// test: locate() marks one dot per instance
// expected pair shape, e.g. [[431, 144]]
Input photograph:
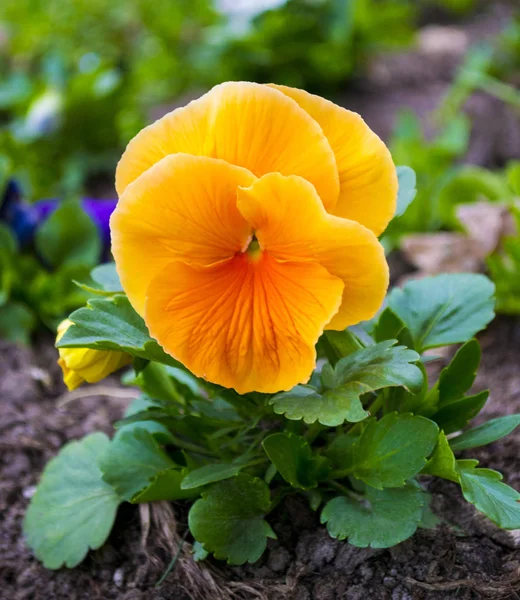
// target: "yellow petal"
[[291, 224], [71, 379], [368, 179], [247, 324], [246, 124], [182, 208]]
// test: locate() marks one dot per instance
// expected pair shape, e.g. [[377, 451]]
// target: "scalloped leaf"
[[139, 470], [393, 449], [444, 309], [229, 519], [366, 370], [112, 324], [73, 509], [381, 520], [293, 459]]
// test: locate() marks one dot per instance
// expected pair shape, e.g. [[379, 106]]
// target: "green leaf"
[[443, 462], [458, 414], [155, 381], [407, 189], [337, 344], [458, 377], [107, 278], [292, 457], [158, 430], [8, 250], [379, 366], [469, 184], [112, 324], [486, 433], [331, 408], [229, 519], [365, 370], [393, 449], [484, 489], [69, 237], [342, 451], [445, 309], [429, 519], [199, 553], [504, 267], [391, 327], [385, 518], [17, 322], [166, 485], [513, 176], [134, 463], [73, 509], [210, 474]]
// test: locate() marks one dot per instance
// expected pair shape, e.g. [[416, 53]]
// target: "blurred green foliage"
[[76, 79], [316, 45], [489, 67], [37, 286], [79, 78]]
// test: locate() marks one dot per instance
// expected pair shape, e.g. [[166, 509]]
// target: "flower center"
[[253, 250]]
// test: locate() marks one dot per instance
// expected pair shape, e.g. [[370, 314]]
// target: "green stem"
[[495, 87], [314, 431], [174, 560], [191, 447], [341, 473], [345, 490], [376, 405]]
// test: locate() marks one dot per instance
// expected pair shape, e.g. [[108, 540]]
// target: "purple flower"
[[98, 210], [24, 218], [17, 214]]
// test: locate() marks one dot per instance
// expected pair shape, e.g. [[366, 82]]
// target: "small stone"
[[118, 577], [366, 572], [356, 592], [278, 560], [133, 595], [29, 491]]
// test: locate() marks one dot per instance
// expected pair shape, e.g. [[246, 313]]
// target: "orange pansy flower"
[[247, 225]]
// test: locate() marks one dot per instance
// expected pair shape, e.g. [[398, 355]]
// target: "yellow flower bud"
[[81, 365]]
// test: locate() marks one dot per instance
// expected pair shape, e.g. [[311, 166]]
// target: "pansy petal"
[[247, 324], [291, 224], [245, 124], [368, 179], [182, 208]]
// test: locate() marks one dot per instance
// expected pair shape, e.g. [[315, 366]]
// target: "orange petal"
[[291, 224], [368, 179], [245, 124], [247, 324], [182, 208]]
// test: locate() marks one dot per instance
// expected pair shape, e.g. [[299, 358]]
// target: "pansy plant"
[[251, 302]]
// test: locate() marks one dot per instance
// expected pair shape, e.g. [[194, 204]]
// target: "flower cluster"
[[247, 224]]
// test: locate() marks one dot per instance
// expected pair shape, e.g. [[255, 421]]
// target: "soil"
[[465, 557]]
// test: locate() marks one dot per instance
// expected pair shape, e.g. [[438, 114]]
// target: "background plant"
[[78, 81]]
